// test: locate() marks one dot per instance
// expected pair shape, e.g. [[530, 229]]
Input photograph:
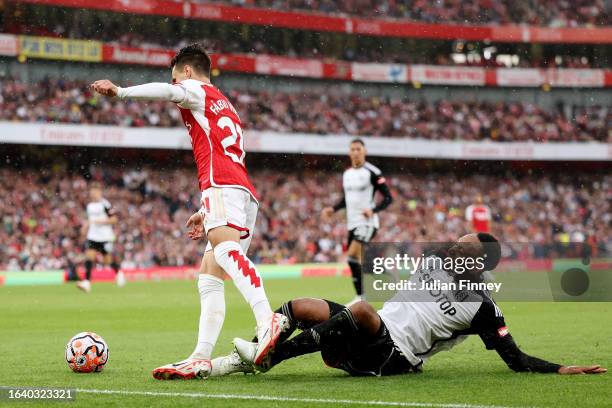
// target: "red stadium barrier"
[[31, 47], [321, 22], [155, 273]]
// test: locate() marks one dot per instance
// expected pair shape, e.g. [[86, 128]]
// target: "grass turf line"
[[148, 324]]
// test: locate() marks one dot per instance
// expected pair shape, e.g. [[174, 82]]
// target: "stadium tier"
[[150, 33], [535, 12], [59, 101], [247, 31], [43, 213]]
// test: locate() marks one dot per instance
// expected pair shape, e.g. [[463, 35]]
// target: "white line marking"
[[282, 399]]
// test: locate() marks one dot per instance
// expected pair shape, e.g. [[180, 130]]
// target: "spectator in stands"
[[311, 112], [41, 215]]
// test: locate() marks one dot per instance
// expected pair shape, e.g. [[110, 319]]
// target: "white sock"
[[231, 258], [212, 314]]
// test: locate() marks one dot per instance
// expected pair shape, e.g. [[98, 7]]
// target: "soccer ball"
[[86, 353]]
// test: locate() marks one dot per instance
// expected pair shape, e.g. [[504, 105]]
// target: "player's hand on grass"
[[593, 369], [195, 223], [105, 87], [368, 213], [327, 212]]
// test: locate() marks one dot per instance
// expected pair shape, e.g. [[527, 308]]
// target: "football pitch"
[[147, 324]]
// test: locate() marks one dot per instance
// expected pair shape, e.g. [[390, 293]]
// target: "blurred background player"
[[229, 204], [479, 216], [101, 218], [360, 183]]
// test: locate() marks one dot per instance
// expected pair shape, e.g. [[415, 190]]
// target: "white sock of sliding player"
[[212, 314], [231, 258]]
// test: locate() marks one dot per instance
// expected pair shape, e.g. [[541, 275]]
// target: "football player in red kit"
[[479, 215], [229, 204]]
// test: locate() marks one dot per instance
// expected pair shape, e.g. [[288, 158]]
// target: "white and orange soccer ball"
[[86, 353]]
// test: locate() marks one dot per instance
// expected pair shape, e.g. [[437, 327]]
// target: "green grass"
[[153, 323]]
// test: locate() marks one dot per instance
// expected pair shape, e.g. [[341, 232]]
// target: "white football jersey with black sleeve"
[[359, 185], [425, 322], [98, 214]]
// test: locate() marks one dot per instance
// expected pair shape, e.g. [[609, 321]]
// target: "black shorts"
[[366, 355], [363, 234], [101, 247]]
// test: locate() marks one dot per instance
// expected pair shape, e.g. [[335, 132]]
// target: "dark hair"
[[194, 55], [358, 140], [492, 250]]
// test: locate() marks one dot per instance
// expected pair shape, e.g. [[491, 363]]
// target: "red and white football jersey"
[[479, 215], [216, 137]]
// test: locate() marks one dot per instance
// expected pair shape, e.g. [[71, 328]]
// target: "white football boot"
[[267, 336], [246, 351], [189, 369], [84, 285], [230, 364]]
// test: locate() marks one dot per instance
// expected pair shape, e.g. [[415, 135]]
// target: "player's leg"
[[91, 255], [372, 351], [212, 316], [230, 216], [358, 237], [338, 327], [212, 305], [304, 314], [353, 255], [111, 259], [230, 364]]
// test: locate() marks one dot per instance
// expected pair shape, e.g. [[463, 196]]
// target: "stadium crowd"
[[336, 113], [42, 215], [552, 13]]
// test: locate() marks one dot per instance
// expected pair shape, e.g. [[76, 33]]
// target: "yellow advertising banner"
[[58, 48]]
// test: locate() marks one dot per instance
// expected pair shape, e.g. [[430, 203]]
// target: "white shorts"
[[233, 207]]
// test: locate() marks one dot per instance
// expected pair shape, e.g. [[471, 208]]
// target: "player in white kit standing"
[[101, 217], [229, 205], [360, 182]]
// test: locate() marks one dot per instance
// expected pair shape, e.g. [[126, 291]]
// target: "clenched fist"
[[105, 87]]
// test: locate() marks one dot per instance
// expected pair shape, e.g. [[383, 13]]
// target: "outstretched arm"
[[490, 325], [520, 362], [153, 90]]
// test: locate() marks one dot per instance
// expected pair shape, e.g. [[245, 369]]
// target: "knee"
[[209, 283], [309, 310], [364, 313], [223, 249]]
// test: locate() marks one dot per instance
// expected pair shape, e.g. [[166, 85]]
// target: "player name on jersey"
[[217, 106]]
